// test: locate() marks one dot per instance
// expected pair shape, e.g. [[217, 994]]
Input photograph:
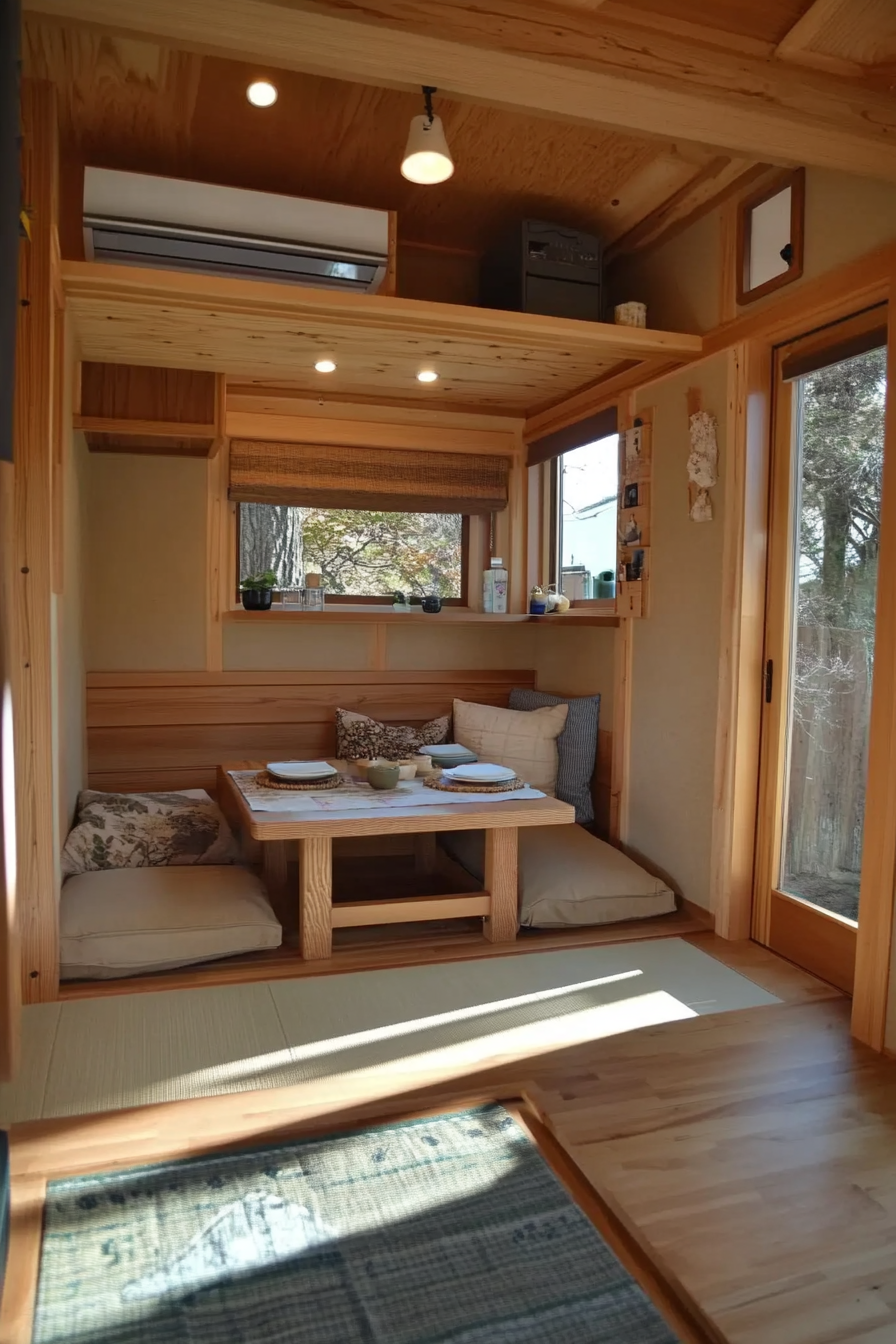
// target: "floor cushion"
[[576, 745], [524, 742], [129, 921], [568, 877]]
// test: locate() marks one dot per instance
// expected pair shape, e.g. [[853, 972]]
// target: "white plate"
[[301, 770], [480, 774], [447, 751]]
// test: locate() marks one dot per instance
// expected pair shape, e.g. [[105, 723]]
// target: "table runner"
[[358, 796]]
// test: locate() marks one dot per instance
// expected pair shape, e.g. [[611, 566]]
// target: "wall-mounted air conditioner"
[[137, 220]]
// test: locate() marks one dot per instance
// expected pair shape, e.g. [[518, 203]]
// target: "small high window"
[[770, 237]]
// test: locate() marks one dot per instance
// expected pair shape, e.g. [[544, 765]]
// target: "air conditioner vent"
[[135, 220]]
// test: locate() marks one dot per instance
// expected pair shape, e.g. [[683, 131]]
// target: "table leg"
[[316, 897], [274, 858], [425, 847], [501, 847]]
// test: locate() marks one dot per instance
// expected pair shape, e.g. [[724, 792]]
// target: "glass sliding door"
[[823, 579]]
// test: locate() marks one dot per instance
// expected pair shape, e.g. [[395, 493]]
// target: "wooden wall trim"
[[32, 685], [739, 712], [364, 432], [10, 958], [876, 893]]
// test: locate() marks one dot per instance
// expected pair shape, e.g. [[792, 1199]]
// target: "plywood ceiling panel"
[[126, 103], [509, 362]]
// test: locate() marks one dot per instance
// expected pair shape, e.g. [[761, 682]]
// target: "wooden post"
[[38, 840], [501, 848], [316, 897]]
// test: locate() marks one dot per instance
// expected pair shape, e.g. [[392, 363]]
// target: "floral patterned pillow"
[[145, 830], [358, 737]]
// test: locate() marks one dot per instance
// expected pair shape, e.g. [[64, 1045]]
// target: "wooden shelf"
[[512, 363], [385, 616]]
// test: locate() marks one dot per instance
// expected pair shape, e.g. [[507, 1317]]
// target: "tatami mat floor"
[[104, 1053]]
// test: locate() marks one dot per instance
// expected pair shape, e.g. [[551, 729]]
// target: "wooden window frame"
[[347, 599], [796, 180]]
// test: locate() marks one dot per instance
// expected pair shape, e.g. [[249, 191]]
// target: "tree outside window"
[[359, 552]]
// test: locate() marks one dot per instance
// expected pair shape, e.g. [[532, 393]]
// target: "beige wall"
[[676, 650], [145, 563], [145, 595], [845, 218]]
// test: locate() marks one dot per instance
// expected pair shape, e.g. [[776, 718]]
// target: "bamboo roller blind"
[[388, 480]]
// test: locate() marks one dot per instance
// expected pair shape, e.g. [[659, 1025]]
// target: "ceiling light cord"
[[428, 91]]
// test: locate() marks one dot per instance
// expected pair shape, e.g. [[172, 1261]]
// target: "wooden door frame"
[[876, 892], [874, 937]]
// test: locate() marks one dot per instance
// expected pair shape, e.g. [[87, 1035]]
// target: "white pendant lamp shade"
[[427, 158]]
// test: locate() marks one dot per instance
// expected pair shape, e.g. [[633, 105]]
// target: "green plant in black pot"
[[258, 590]]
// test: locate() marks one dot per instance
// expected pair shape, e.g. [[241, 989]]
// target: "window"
[[587, 488], [361, 554], [770, 237]]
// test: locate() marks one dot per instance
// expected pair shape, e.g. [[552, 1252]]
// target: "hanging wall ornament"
[[703, 463]]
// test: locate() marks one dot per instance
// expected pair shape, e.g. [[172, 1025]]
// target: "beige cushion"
[[129, 921], [523, 740], [567, 876]]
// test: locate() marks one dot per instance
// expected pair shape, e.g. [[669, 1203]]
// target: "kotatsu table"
[[277, 820]]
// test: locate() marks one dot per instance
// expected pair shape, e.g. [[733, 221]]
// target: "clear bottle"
[[494, 588]]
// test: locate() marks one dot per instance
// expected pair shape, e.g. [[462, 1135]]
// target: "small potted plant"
[[258, 590], [400, 601]]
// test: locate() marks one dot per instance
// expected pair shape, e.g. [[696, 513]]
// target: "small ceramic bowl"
[[382, 776]]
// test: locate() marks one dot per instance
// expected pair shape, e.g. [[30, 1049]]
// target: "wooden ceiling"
[[799, 81], [138, 105], [507, 363]]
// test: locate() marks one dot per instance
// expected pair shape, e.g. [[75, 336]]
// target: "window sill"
[[349, 615]]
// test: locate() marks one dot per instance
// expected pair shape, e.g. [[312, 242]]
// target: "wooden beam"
[[566, 63], [37, 890], [720, 179]]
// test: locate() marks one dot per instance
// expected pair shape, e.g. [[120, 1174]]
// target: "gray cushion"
[[577, 745], [568, 877]]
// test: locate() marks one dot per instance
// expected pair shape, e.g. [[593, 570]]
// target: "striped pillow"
[[577, 745]]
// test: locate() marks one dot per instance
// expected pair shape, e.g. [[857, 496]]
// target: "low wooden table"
[[318, 917]]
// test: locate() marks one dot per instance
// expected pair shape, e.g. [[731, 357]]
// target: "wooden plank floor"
[[751, 1155]]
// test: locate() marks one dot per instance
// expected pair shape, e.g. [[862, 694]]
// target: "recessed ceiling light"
[[262, 93], [325, 366], [427, 376]]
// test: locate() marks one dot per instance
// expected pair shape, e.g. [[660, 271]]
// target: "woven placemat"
[[269, 781], [449, 786]]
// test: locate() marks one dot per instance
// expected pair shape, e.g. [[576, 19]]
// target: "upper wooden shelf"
[[513, 363], [348, 615]]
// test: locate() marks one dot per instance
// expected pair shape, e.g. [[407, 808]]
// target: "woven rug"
[[450, 1230]]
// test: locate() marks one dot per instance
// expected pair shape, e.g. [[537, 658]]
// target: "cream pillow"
[[523, 740]]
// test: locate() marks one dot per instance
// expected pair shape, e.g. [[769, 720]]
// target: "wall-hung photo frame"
[[770, 236], [630, 496]]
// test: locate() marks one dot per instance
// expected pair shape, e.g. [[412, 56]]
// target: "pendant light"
[[427, 158]]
